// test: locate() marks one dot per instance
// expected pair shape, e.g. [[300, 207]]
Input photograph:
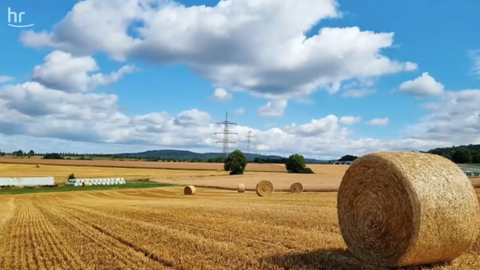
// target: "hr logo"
[[17, 19]]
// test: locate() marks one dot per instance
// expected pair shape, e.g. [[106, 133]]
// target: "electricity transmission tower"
[[249, 141], [226, 141]]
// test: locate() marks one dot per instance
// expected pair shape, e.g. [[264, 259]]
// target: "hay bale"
[[399, 209], [189, 190], [241, 188], [264, 188], [296, 188], [38, 165]]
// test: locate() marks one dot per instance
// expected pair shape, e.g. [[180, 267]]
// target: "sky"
[[321, 78]]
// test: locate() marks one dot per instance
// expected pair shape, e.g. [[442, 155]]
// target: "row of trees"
[[236, 162], [460, 154]]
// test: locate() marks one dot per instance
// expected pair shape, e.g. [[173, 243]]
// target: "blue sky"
[[251, 51]]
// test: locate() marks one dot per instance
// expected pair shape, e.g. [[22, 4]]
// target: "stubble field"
[[163, 229]]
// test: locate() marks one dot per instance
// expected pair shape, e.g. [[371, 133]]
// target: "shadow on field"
[[332, 259]]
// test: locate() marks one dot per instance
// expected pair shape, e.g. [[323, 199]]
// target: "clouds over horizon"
[[274, 61]]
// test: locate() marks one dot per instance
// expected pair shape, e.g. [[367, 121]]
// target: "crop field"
[[163, 229], [61, 172], [141, 164]]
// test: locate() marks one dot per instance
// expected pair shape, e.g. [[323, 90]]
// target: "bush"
[[295, 163], [306, 170], [235, 163], [71, 176]]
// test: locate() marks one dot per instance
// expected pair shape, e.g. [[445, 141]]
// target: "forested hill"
[[193, 156], [460, 154]]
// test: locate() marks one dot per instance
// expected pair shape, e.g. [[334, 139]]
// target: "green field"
[[128, 185]]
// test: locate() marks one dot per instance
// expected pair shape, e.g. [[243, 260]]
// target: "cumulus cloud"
[[326, 125], [454, 116], [34, 116], [273, 58], [4, 79], [349, 120], [378, 122], [239, 111], [273, 108], [221, 94], [425, 85], [64, 71]]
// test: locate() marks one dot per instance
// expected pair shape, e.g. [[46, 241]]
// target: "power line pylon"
[[226, 141], [249, 141]]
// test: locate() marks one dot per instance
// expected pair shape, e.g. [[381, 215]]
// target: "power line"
[[226, 141]]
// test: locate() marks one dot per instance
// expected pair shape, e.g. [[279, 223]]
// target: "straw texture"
[[189, 190], [296, 188], [241, 188], [38, 165], [403, 208], [264, 188]]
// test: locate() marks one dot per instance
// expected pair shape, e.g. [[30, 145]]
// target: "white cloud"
[[273, 58], [454, 117], [221, 94], [475, 56], [36, 117], [239, 111], [358, 93], [4, 79], [425, 85], [71, 74], [378, 122], [326, 125], [192, 118], [349, 120], [273, 108]]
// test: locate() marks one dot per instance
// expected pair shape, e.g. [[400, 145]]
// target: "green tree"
[[31, 153], [476, 157], [462, 155], [295, 163], [235, 163]]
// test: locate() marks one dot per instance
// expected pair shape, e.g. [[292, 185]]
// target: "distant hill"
[[189, 155]]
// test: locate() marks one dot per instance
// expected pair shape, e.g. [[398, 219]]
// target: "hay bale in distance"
[[189, 190], [38, 166], [87, 184], [296, 187], [264, 188], [241, 188], [399, 209]]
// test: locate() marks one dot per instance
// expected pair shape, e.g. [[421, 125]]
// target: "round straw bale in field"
[[38, 165], [189, 190], [241, 188], [400, 209], [264, 188], [296, 188]]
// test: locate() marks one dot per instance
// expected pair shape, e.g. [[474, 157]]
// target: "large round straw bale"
[[296, 188], [38, 165], [241, 188], [399, 209], [189, 190], [264, 188]]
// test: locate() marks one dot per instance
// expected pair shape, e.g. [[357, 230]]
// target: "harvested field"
[[61, 172], [163, 229], [318, 168], [281, 181]]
